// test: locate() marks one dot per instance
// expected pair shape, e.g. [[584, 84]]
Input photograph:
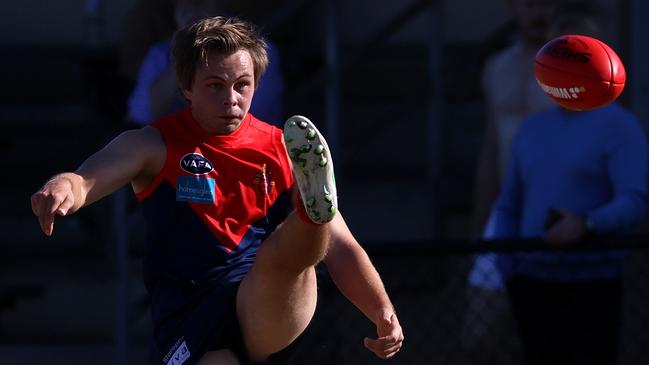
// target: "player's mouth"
[[230, 118]]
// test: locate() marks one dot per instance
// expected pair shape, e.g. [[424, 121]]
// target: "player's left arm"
[[353, 273]]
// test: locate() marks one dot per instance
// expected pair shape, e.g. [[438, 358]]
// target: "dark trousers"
[[567, 323]]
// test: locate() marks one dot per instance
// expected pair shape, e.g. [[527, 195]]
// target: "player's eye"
[[242, 85], [215, 85]]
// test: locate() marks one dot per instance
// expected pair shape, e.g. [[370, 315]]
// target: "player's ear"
[[186, 93]]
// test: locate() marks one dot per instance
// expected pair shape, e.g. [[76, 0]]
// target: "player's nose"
[[230, 98]]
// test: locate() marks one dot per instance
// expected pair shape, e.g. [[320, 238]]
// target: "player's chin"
[[229, 123]]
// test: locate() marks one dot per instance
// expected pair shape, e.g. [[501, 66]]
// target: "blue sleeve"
[[153, 65], [506, 213], [627, 167]]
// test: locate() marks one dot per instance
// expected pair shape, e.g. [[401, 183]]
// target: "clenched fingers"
[[45, 205], [384, 347], [390, 337]]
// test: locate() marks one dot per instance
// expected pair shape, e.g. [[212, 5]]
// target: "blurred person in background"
[[147, 22], [571, 176], [511, 93]]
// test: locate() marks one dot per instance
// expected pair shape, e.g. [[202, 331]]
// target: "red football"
[[579, 72]]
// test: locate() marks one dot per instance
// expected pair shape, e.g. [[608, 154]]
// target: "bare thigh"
[[275, 303], [221, 357]]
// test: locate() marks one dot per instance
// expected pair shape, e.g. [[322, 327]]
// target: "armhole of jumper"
[[157, 180], [287, 168]]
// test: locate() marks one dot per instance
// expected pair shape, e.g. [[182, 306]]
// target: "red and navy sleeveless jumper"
[[216, 199]]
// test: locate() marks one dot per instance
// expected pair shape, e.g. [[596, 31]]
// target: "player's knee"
[[297, 244], [272, 258]]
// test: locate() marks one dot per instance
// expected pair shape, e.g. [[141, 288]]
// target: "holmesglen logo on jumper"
[[195, 189], [196, 164]]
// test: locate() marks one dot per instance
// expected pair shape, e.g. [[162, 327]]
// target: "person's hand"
[[569, 228], [55, 197], [390, 337]]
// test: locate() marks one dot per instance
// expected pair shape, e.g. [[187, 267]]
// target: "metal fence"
[[448, 321]]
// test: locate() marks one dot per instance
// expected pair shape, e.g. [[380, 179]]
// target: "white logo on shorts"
[[180, 356]]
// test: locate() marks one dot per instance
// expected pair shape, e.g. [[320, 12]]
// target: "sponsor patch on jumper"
[[195, 189], [196, 164], [180, 355]]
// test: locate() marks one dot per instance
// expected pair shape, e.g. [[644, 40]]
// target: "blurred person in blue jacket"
[[570, 176], [510, 94]]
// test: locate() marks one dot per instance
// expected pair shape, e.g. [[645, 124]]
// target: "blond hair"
[[193, 44]]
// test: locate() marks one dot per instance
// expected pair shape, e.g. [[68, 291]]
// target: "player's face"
[[222, 91]]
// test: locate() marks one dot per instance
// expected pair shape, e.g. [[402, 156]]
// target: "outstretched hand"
[[55, 197], [390, 338]]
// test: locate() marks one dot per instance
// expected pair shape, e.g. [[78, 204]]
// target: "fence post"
[[120, 235], [638, 10], [332, 78], [435, 106]]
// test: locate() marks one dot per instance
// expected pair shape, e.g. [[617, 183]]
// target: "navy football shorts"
[[190, 321]]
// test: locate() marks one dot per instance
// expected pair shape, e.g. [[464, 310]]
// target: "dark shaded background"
[[400, 98]]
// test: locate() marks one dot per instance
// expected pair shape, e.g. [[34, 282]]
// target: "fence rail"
[[448, 321]]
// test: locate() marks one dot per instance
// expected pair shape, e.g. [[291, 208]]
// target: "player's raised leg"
[[277, 298]]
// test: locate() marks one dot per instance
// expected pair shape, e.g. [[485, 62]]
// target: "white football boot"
[[312, 167]]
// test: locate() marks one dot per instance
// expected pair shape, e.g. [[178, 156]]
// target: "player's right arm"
[[356, 277], [134, 156]]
